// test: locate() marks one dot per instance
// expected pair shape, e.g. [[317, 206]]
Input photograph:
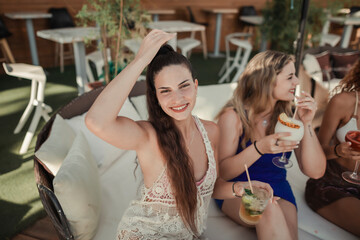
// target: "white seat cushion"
[[119, 185], [211, 98], [53, 152], [104, 153], [77, 187]]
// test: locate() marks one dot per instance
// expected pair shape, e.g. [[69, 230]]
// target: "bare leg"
[[345, 213], [272, 224], [290, 214]]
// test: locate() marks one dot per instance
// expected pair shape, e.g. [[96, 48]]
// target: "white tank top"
[[154, 215], [351, 125]]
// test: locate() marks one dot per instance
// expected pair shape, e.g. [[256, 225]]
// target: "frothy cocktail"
[[286, 124]]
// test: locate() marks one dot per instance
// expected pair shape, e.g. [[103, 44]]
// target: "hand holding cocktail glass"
[[254, 201], [305, 110], [296, 128], [354, 138]]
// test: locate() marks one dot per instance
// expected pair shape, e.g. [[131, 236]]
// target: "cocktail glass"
[[296, 128], [354, 138], [253, 205]]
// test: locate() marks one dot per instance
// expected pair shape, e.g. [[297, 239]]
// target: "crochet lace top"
[[154, 215]]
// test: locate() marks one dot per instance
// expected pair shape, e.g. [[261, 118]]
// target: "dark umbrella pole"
[[301, 35]]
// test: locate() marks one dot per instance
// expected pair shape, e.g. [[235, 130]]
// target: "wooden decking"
[[40, 230]]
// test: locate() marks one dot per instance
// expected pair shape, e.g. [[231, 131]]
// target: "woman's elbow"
[[318, 171], [92, 123]]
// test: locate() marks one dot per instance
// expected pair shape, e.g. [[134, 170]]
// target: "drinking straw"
[[248, 177], [295, 104], [296, 108]]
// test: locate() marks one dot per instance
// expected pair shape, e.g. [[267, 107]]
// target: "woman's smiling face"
[[176, 91], [286, 82]]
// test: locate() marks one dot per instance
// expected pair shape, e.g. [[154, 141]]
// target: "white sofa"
[[118, 178]]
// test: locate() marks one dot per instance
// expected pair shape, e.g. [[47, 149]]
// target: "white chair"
[[240, 59], [186, 45], [96, 59], [328, 38], [38, 80]]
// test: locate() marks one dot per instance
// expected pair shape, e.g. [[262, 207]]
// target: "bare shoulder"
[[229, 118], [211, 128], [343, 99]]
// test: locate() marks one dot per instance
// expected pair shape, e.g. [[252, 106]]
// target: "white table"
[[219, 12], [76, 36], [348, 23], [180, 26], [256, 20], [29, 16], [156, 12]]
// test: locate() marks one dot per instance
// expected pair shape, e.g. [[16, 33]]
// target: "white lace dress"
[[154, 214]]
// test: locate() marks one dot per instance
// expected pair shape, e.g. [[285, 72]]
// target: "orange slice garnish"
[[285, 120]]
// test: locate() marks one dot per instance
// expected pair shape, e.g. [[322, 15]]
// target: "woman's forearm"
[[233, 166], [311, 158], [108, 104]]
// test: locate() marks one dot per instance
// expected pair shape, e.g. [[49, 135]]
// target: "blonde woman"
[[266, 89]]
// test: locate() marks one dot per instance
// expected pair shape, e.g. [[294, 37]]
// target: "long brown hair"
[[351, 81], [172, 144], [253, 93]]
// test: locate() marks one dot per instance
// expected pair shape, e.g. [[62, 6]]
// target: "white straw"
[[248, 176], [296, 108]]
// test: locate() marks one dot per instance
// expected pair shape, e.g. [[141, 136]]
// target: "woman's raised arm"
[[102, 118]]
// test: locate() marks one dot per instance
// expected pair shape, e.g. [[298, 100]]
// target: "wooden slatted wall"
[[19, 41]]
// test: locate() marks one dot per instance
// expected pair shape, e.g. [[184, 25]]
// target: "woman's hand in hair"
[[306, 107], [151, 45], [273, 143]]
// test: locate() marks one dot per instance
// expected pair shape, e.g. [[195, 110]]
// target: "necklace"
[[265, 123]]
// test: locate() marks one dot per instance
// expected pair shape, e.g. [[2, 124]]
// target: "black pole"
[[301, 35]]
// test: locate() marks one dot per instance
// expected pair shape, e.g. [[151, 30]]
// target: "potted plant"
[[118, 20], [281, 22]]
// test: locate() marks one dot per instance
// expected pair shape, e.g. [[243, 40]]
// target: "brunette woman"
[[176, 151]]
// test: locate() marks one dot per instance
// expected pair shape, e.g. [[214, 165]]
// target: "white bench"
[[119, 186]]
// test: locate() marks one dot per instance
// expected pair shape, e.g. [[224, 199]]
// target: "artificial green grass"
[[20, 204]]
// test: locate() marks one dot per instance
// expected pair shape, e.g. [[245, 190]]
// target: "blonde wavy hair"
[[254, 92]]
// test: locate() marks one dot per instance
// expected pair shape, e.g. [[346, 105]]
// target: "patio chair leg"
[[28, 108], [30, 133]]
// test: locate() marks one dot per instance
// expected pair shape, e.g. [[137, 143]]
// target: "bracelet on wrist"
[[257, 149], [336, 151], [233, 190]]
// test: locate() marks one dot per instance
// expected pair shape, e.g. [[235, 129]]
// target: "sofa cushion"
[[309, 221], [211, 98], [104, 153], [139, 103], [52, 152], [342, 62], [77, 187], [119, 185]]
